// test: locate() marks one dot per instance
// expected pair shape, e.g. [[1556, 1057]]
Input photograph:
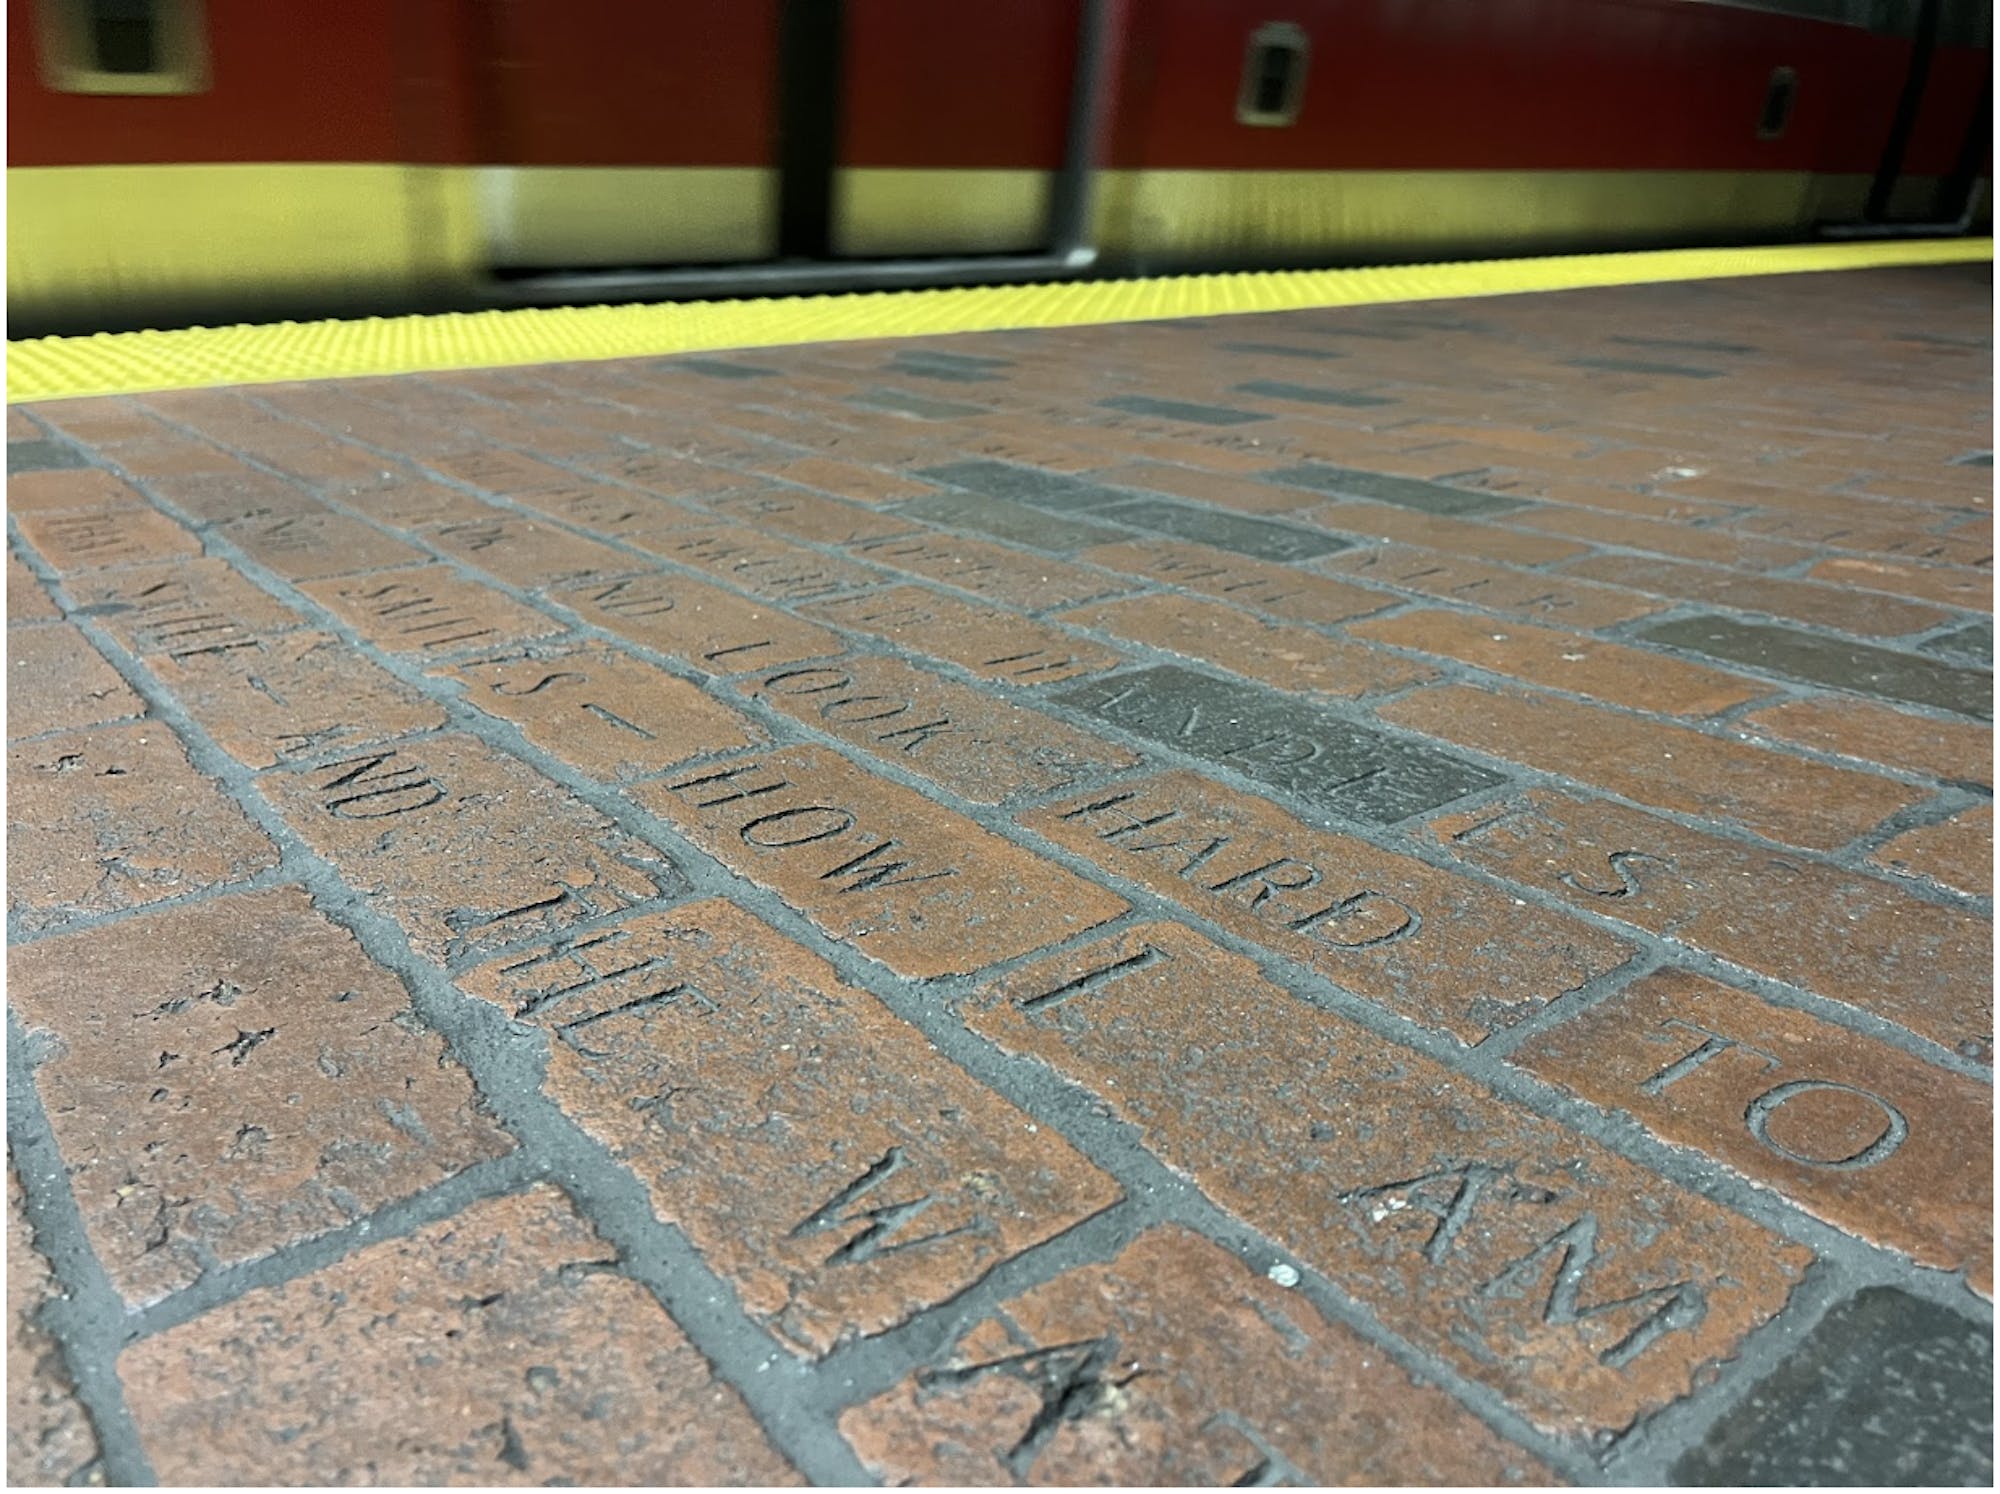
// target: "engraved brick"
[[1716, 546], [1460, 536], [1196, 1373], [1441, 950], [415, 504], [429, 609], [26, 599], [1581, 1288], [1260, 539], [79, 488], [116, 817], [239, 494], [1954, 586], [744, 556], [1404, 492], [984, 641], [231, 1077], [524, 553], [501, 471], [980, 748], [809, 517], [606, 510], [1558, 600], [925, 891], [182, 608], [1870, 614], [845, 479], [1954, 750], [1565, 661], [297, 695], [1955, 853], [56, 681], [612, 716], [995, 572], [1668, 767], [1295, 596], [50, 1441], [1856, 1132], [703, 626], [1848, 937], [306, 546], [1294, 745], [1861, 667], [821, 1155], [1004, 519], [1031, 485], [1887, 1390], [465, 848], [498, 1347], [87, 541]]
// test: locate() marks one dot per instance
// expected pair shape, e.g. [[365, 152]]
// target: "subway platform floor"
[[1383, 895]]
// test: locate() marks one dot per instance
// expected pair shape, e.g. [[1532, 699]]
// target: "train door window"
[[1779, 96], [123, 46], [1274, 75]]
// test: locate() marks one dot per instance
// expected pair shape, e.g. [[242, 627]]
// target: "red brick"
[[182, 608], [1719, 546], [87, 541], [833, 1166], [744, 556], [712, 630], [429, 609], [998, 573], [466, 848], [1955, 853], [612, 716], [1954, 586], [306, 546], [297, 695], [1584, 1290], [1537, 595], [1847, 937], [494, 1348], [1565, 661], [414, 504], [1869, 614], [1441, 950], [1280, 590], [671, 476], [71, 488], [56, 682], [994, 645], [809, 517], [1243, 494], [50, 1441], [237, 496], [1954, 750], [1281, 654], [527, 554], [1188, 1371], [20, 427], [925, 891], [497, 470], [26, 600], [1668, 767], [116, 817], [1460, 536], [846, 479], [231, 1077], [603, 509], [1854, 1131], [979, 748]]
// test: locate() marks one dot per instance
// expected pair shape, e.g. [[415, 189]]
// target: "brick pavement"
[[1392, 895]]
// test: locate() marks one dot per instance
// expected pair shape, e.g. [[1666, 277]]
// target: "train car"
[[175, 161]]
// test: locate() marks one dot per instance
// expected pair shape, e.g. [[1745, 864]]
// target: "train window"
[[1779, 96], [123, 46], [1274, 75]]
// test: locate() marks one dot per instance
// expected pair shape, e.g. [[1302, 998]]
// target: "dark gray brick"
[[1974, 459], [1173, 409], [1640, 366], [1862, 668], [955, 368], [1261, 538], [1280, 350], [1973, 641], [1888, 1389], [1281, 741], [1312, 394], [1685, 344], [715, 368], [1054, 490], [42, 456], [916, 404], [1004, 519], [1404, 492]]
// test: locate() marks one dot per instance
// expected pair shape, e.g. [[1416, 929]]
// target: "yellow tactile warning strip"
[[132, 362]]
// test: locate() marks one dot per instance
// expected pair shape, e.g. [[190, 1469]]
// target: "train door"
[[709, 141]]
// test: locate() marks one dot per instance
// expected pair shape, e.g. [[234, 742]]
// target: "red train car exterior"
[[204, 159]]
